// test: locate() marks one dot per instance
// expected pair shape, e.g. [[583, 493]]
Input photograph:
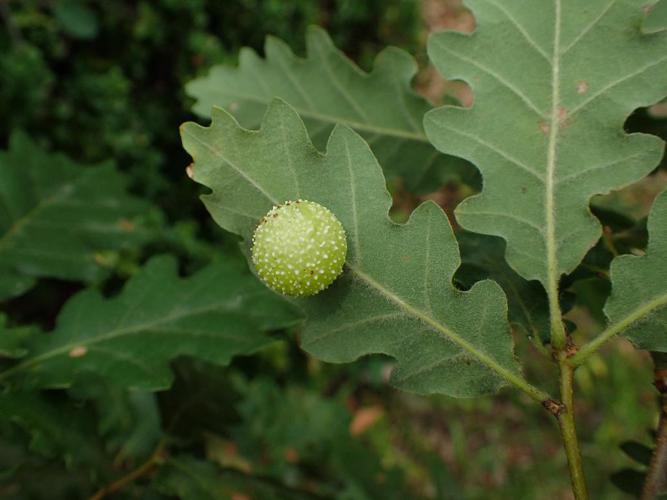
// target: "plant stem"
[[147, 467], [656, 476], [569, 431]]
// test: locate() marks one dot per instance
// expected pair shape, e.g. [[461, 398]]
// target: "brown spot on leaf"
[[544, 127], [562, 114], [78, 351], [582, 87]]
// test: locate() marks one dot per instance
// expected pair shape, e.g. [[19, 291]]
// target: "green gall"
[[299, 248]]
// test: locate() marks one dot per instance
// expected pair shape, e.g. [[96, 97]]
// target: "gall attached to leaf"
[[299, 248]]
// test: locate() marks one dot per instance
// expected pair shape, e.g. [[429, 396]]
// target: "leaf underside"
[[554, 82], [639, 287], [326, 88], [656, 18], [129, 340], [396, 295], [56, 217]]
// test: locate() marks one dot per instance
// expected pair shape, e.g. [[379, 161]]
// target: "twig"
[[656, 476], [146, 468], [569, 432]]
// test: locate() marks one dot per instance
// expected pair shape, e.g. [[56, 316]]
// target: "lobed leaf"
[[218, 313], [638, 301], [58, 218], [396, 295], [554, 82], [326, 88]]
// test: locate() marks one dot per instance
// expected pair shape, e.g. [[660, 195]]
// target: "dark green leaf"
[[190, 479], [638, 452], [216, 314], [13, 340], [59, 219], [629, 481]]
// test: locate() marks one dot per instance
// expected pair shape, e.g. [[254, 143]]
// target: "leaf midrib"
[[482, 357], [61, 193], [550, 205], [360, 126], [112, 335]]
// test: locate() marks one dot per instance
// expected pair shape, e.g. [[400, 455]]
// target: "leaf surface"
[[58, 218], [396, 295], [216, 314], [55, 429], [638, 298], [13, 340], [191, 479], [327, 88], [656, 18], [554, 82]]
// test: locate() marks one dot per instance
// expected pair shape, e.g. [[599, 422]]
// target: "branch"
[[656, 477], [146, 468], [569, 432]]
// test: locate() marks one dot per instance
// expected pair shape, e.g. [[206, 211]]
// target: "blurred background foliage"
[[103, 80]]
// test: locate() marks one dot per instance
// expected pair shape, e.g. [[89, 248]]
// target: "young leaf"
[[395, 295], [56, 217], [638, 302], [216, 314], [327, 88], [553, 81]]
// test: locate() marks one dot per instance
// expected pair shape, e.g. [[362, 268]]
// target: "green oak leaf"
[[656, 18], [216, 314], [396, 295], [13, 339], [58, 219], [127, 420], [554, 81], [327, 88], [189, 478], [55, 428], [638, 298]]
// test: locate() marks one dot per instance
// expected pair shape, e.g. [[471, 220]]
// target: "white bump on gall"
[[299, 248]]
